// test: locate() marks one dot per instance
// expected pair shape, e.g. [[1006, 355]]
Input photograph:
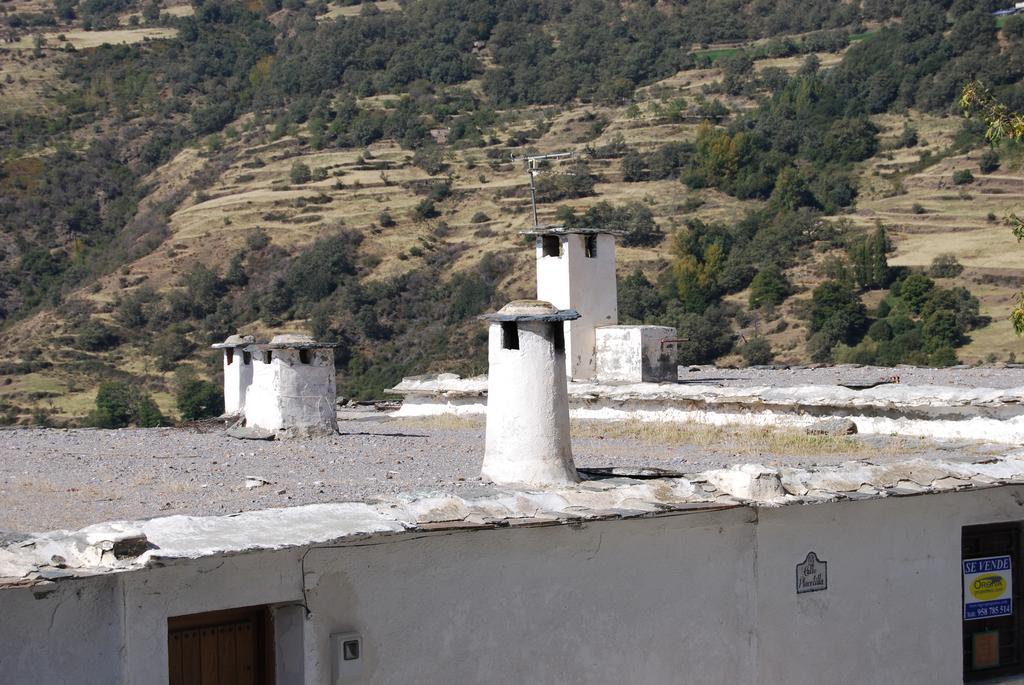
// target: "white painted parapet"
[[293, 386], [940, 412], [636, 354], [576, 270], [528, 404], [237, 371]]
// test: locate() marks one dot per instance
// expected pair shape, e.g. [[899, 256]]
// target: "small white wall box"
[[527, 436], [237, 371], [576, 270], [637, 354], [347, 658], [293, 386]]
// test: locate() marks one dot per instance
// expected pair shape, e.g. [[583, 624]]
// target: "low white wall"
[[698, 598], [635, 354], [1002, 430], [69, 633]]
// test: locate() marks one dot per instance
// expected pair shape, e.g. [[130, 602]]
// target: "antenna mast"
[[533, 170]]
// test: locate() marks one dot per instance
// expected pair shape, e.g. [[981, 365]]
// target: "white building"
[[293, 386], [834, 574], [527, 403], [237, 371]]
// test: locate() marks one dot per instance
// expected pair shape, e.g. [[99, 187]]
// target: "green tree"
[[868, 258], [198, 399], [915, 291], [634, 167], [1002, 123], [120, 404], [769, 287]]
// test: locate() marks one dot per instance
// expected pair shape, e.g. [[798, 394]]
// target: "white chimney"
[[237, 371], [527, 399], [293, 386], [576, 270]]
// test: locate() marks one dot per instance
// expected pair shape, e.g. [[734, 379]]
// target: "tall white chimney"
[[527, 399], [237, 371], [576, 270]]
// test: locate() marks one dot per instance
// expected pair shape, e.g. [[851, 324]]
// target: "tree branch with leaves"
[[1003, 124]]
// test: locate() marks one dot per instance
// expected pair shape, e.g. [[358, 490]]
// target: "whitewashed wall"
[[697, 598]]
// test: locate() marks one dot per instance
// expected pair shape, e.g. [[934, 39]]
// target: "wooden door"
[[232, 647]]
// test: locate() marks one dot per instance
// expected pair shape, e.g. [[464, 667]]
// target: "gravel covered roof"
[[69, 478]]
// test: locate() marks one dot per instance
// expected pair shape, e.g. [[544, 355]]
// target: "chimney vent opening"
[[590, 246], [509, 335], [247, 358], [304, 356], [267, 356], [552, 245], [229, 355], [558, 335]]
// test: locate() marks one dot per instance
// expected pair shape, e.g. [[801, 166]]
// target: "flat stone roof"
[[1002, 376], [130, 499], [69, 478]]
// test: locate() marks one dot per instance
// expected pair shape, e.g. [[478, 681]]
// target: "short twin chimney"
[[293, 387], [527, 399]]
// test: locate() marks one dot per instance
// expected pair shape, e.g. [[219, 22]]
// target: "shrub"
[[479, 218], [880, 331], [172, 346], [757, 352], [120, 404], [198, 399], [918, 208], [989, 161], [962, 177], [300, 173], [709, 336], [386, 220], [634, 167], [639, 301], [95, 336], [945, 266], [425, 210]]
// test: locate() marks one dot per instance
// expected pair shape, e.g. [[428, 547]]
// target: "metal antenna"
[[531, 168]]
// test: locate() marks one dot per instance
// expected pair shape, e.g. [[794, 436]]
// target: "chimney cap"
[[294, 341], [557, 229], [531, 310], [236, 340]]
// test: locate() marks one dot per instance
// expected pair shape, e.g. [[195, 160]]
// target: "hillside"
[[202, 177]]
